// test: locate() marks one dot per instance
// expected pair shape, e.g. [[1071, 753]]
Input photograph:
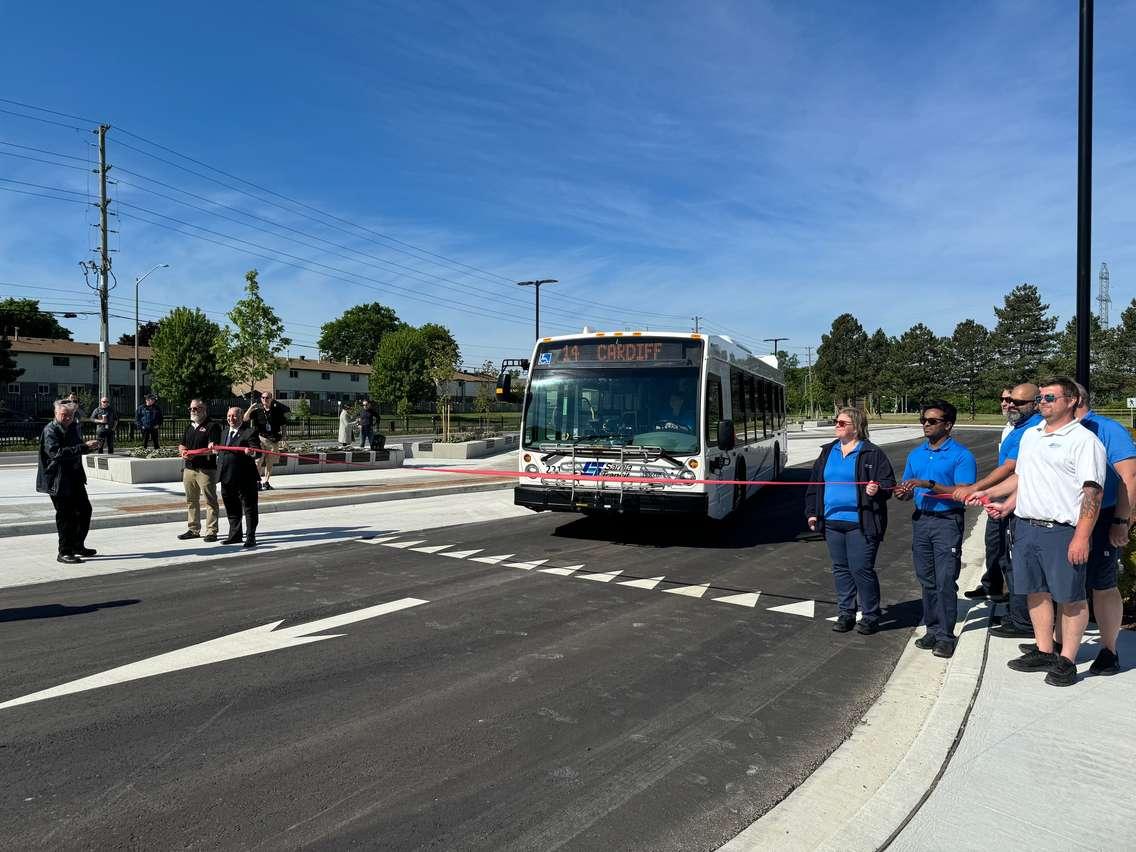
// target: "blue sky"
[[764, 165]]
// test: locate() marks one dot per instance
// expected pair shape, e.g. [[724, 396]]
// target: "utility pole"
[[1104, 299], [1084, 191], [696, 321], [809, 352], [104, 269], [774, 341], [536, 286]]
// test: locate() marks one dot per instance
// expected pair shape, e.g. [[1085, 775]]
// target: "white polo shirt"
[[1052, 469]]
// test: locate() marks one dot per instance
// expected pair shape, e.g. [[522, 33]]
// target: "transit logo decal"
[[545, 359], [593, 468]]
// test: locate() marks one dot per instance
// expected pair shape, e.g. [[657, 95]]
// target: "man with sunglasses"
[[1023, 414], [200, 474], [931, 474], [1056, 496], [992, 583]]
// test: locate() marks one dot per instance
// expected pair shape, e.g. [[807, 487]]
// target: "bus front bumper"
[[590, 500]]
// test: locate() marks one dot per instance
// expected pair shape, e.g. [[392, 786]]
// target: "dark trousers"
[[72, 519], [365, 440], [106, 440], [241, 501], [854, 570], [1017, 610], [936, 548], [150, 435], [997, 556]]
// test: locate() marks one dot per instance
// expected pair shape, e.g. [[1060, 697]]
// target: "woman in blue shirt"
[[852, 517]]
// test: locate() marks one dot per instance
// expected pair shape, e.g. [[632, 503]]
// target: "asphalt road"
[[515, 709]]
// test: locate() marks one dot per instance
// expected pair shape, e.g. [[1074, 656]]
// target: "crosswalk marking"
[[493, 560], [605, 577], [563, 572], [404, 543], [805, 608], [690, 591], [526, 566], [460, 554], [433, 548], [382, 540], [648, 583], [745, 599]]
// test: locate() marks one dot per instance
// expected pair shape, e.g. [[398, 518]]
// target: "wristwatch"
[[931, 484], [1119, 521]]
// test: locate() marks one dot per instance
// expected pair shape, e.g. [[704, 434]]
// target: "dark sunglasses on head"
[[932, 421], [843, 423], [1050, 397]]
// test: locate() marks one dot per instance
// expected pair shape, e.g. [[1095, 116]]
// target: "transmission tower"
[[1104, 300]]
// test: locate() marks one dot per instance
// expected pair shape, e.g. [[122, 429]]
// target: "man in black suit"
[[61, 476], [237, 474]]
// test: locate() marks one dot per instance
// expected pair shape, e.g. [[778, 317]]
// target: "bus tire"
[[739, 490]]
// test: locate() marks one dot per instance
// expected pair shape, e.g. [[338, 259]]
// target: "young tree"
[[9, 372], [483, 402], [443, 360], [182, 364], [1024, 339], [488, 368], [355, 336], [842, 360], [970, 360], [25, 315], [145, 334], [250, 353], [400, 375]]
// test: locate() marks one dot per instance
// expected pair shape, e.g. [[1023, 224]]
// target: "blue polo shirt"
[[1118, 446], [840, 500], [1008, 449], [949, 464]]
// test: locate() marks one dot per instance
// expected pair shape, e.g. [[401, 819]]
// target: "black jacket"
[[237, 468], [60, 470], [198, 436], [871, 464]]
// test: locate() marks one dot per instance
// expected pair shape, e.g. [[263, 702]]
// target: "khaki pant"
[[264, 463], [198, 482]]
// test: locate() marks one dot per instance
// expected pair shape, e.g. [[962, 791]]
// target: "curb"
[[867, 790], [169, 516]]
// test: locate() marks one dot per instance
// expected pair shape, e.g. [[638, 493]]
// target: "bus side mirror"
[[504, 390], [726, 438]]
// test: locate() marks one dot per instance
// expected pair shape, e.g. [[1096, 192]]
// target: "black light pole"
[[1084, 191], [536, 285]]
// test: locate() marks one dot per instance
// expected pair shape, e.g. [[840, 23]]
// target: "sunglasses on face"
[[1020, 402], [1007, 400], [196, 408], [931, 421], [1049, 397], [843, 423]]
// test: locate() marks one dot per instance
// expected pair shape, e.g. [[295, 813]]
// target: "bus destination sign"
[[614, 352]]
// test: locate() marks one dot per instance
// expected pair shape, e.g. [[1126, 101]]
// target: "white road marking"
[[460, 554], [605, 577], [648, 583], [493, 560], [805, 608], [433, 548], [526, 566], [745, 599], [405, 543], [859, 615], [563, 572], [690, 591], [247, 643], [382, 540]]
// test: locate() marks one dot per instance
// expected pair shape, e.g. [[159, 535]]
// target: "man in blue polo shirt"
[[1113, 527], [932, 472], [1023, 414]]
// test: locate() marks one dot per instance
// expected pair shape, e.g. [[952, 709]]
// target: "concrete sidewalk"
[[114, 504], [969, 754]]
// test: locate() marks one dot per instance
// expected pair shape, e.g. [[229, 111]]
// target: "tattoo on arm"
[[1091, 502]]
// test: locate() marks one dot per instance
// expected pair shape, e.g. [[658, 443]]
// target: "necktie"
[[232, 438]]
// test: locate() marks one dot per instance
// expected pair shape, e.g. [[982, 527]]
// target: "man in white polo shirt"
[[1055, 495]]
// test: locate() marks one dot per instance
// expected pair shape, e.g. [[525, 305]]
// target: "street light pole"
[[137, 282], [774, 341], [536, 285]]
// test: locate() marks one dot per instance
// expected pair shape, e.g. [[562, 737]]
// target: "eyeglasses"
[[843, 423], [931, 421], [1007, 399], [196, 408], [1024, 401], [1050, 397]]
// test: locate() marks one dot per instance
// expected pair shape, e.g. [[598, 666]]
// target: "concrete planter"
[[463, 450], [138, 471]]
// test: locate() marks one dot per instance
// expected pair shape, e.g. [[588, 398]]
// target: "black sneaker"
[[843, 624], [1106, 663], [978, 592], [925, 642], [188, 534], [1026, 647], [1001, 597], [944, 649], [1064, 673], [209, 537], [267, 487], [1034, 661], [867, 628], [1009, 631]]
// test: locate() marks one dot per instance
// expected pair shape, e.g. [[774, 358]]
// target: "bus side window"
[[763, 395], [737, 403], [713, 409]]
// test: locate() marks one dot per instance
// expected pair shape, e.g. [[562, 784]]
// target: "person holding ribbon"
[[237, 474], [846, 502]]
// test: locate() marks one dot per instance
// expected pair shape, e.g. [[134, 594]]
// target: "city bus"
[[651, 405]]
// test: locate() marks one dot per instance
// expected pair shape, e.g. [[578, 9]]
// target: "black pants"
[[997, 556], [150, 435], [241, 500], [72, 519], [106, 440]]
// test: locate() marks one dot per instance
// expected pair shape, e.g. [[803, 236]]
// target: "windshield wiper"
[[576, 441]]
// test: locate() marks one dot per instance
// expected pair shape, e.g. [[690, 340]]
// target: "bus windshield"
[[629, 406]]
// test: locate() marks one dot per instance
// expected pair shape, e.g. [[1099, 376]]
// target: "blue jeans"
[[936, 548], [854, 570]]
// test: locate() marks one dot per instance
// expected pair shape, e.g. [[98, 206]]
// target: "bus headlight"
[[531, 468], [687, 474]]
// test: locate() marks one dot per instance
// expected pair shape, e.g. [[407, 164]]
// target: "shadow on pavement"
[[26, 613], [264, 541]]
